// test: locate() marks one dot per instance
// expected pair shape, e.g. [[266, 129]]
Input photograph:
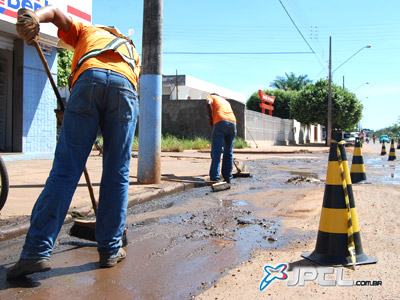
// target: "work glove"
[[28, 26]]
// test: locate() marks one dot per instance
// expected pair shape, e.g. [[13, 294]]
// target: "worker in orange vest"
[[223, 121], [105, 70]]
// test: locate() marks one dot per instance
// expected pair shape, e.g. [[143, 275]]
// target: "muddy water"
[[180, 245], [191, 239]]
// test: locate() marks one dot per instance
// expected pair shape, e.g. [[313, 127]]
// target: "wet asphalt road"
[[180, 245]]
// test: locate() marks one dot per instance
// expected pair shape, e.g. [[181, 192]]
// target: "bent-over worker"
[[223, 121], [103, 95]]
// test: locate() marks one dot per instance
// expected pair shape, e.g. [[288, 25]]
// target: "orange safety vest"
[[221, 109], [85, 38]]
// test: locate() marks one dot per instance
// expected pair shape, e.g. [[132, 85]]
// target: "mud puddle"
[[382, 171], [198, 235]]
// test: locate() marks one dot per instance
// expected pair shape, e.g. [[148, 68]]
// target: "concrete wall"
[[265, 130], [186, 118]]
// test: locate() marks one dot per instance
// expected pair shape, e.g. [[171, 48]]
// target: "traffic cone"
[[357, 172], [338, 240], [392, 153], [383, 151]]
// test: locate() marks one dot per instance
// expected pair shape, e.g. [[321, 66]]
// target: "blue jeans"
[[223, 135], [99, 98]]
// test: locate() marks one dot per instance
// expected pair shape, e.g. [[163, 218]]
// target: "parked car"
[[384, 138], [350, 137]]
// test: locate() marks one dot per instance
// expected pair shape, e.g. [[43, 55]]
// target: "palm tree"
[[291, 82]]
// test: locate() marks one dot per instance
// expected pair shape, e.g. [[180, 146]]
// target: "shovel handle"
[[90, 188], [237, 168], [49, 75]]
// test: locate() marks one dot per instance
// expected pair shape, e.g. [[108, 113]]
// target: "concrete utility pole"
[[149, 156], [329, 122]]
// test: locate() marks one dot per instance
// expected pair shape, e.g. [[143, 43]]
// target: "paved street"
[[193, 243]]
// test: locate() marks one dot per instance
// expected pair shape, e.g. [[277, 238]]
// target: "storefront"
[[27, 100]]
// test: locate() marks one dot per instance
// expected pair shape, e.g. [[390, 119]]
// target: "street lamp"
[[329, 125], [360, 86], [367, 46]]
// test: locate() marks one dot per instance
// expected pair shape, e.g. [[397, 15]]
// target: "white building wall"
[[39, 100], [192, 88]]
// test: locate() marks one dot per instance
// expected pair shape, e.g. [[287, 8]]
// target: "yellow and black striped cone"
[[338, 241], [383, 151], [357, 171], [392, 153]]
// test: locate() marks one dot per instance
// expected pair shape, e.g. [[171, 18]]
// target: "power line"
[[296, 26], [301, 34], [235, 53]]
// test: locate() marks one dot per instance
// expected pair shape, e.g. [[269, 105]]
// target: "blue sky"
[[250, 43]]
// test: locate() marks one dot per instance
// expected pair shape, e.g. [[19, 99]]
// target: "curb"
[[20, 229]]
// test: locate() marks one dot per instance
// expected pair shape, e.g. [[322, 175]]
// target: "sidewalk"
[[27, 178]]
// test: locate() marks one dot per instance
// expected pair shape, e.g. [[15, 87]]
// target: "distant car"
[[350, 138], [384, 138]]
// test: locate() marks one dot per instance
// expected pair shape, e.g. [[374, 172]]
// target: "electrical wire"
[[301, 34], [309, 46], [235, 53]]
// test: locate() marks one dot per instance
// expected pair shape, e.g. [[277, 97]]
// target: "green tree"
[[291, 82], [393, 131], [64, 67], [281, 104], [311, 106]]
